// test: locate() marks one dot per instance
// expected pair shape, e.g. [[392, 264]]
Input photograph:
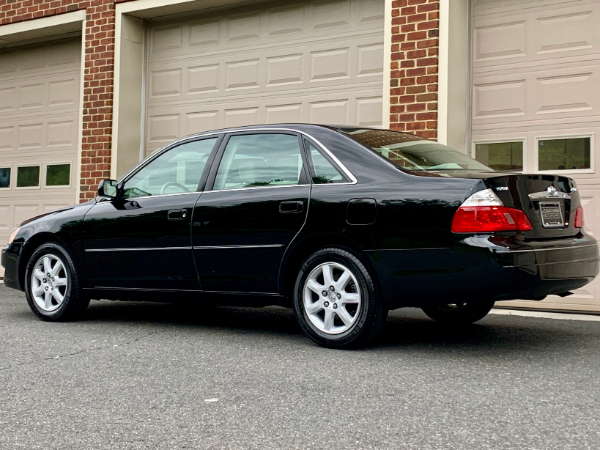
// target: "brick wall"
[[414, 67], [98, 77]]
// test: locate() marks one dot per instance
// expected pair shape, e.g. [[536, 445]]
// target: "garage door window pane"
[[260, 160], [174, 172], [564, 154], [28, 176], [502, 156], [4, 177], [58, 175]]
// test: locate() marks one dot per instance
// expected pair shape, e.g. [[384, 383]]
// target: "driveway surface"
[[135, 375]]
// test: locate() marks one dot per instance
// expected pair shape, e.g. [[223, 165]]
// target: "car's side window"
[[175, 171], [262, 159], [324, 172]]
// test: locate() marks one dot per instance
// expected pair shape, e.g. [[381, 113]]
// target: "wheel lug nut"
[[331, 288], [339, 295], [335, 306], [46, 288], [44, 280], [326, 304], [324, 293]]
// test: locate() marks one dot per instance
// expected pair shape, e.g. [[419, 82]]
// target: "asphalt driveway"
[[134, 375]]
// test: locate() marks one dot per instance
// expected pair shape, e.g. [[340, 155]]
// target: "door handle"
[[291, 207], [177, 214]]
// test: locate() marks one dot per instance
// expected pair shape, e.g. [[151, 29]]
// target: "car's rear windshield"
[[413, 153]]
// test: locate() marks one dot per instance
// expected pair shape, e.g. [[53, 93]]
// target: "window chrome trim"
[[140, 249], [229, 247], [132, 199], [257, 187], [158, 152]]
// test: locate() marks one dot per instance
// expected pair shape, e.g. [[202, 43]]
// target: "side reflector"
[[579, 222], [488, 219]]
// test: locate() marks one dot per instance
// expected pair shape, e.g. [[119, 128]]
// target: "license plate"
[[551, 214]]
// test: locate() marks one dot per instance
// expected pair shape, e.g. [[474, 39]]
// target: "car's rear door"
[[142, 241], [255, 202]]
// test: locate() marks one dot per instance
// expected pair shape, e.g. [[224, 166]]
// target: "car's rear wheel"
[[458, 313], [336, 301], [52, 286]]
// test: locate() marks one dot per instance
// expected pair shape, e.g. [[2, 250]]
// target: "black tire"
[[369, 317], [75, 302], [458, 313]]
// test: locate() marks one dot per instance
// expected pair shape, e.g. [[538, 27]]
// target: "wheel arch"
[[30, 247], [306, 246]]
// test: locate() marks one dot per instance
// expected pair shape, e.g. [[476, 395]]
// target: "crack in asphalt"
[[85, 350]]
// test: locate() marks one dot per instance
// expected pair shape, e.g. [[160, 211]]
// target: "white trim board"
[[60, 24]]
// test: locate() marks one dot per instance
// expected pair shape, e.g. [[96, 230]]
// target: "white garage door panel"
[[305, 62], [536, 75], [39, 111]]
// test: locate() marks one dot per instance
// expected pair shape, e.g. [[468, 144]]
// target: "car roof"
[[292, 126]]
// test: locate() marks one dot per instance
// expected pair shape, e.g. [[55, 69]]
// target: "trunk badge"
[[550, 192]]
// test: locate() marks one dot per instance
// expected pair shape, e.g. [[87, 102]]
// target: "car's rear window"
[[413, 153]]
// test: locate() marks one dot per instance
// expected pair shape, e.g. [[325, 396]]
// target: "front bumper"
[[10, 262], [485, 268]]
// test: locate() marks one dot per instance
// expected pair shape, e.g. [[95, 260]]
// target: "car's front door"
[[142, 241], [255, 202]]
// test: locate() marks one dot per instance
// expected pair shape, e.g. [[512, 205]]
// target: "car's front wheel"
[[458, 313], [336, 301], [52, 286]]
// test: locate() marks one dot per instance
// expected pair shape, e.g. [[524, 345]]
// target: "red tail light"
[[579, 222], [487, 219], [484, 212]]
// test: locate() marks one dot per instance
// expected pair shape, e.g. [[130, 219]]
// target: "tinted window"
[[565, 154], [413, 153], [324, 171], [4, 177], [28, 176], [58, 174], [175, 171], [254, 160], [503, 156]]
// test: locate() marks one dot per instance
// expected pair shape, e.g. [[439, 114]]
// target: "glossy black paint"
[[251, 241]]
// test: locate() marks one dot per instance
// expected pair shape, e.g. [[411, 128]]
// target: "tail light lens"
[[484, 212], [579, 222]]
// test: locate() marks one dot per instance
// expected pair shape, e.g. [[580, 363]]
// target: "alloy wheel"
[[49, 282], [332, 298]]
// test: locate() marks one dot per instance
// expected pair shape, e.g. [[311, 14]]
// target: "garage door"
[[536, 100], [319, 62], [39, 110]]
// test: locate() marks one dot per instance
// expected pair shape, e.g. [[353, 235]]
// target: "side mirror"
[[108, 189]]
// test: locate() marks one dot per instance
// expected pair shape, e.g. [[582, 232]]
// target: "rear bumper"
[[10, 262], [485, 268]]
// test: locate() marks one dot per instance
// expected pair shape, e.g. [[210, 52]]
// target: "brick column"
[[97, 96], [414, 67]]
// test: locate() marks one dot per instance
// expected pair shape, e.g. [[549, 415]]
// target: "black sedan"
[[340, 223]]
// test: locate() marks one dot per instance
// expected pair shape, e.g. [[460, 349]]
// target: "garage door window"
[[564, 154], [28, 176], [58, 175], [4, 177], [502, 156]]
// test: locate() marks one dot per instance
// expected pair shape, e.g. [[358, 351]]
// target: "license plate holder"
[[551, 213]]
